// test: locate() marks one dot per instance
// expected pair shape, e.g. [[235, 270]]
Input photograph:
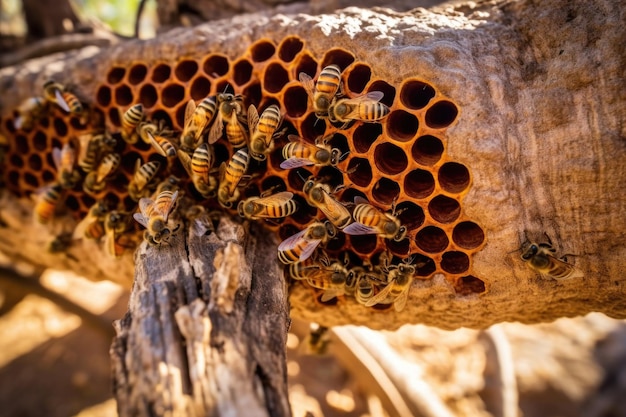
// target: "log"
[[206, 328]]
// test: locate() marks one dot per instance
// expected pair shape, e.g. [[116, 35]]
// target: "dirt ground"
[[54, 362]]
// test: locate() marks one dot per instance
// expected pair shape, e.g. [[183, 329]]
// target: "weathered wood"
[[206, 328]]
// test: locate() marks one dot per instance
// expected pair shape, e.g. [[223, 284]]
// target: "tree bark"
[[206, 328]]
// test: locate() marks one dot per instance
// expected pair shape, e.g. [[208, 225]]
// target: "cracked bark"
[[206, 328]]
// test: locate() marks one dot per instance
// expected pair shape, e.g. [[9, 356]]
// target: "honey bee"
[[95, 181], [331, 278], [272, 206], [300, 271], [64, 159], [369, 220], [130, 120], [53, 93], [154, 217], [197, 120], [47, 200], [157, 136], [319, 195], [170, 183], [299, 153], [74, 104], [198, 166], [200, 220], [29, 111], [92, 226], [364, 290], [299, 247], [115, 224], [540, 257], [322, 92], [263, 130], [137, 188], [91, 147], [231, 112], [365, 280], [366, 108], [399, 280], [231, 175]]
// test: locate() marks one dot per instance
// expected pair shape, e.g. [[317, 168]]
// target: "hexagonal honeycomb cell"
[[398, 164]]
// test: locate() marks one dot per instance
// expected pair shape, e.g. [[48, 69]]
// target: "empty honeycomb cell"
[[306, 64], [16, 161], [454, 177], [103, 96], [364, 244], [390, 159], [441, 114], [180, 114], [339, 57], [387, 89], [339, 141], [242, 72], [31, 180], [469, 285], [34, 162], [444, 209], [275, 78], [56, 143], [410, 214], [427, 150], [148, 95], [295, 101], [455, 262], [13, 178], [128, 162], [358, 77], [185, 70], [385, 191], [40, 142], [21, 142], [200, 88], [400, 248], [60, 128], [297, 177], [274, 184], [468, 235], [419, 183], [137, 74], [47, 176], [311, 127], [289, 48], [349, 194], [424, 266], [365, 135], [77, 123], [337, 243], [262, 50], [114, 116], [416, 94], [115, 75], [431, 239], [360, 172], [401, 125], [305, 213], [287, 230], [161, 73], [253, 93], [123, 95], [72, 202], [216, 66], [172, 95]]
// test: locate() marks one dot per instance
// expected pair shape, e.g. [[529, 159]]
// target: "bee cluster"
[[351, 172]]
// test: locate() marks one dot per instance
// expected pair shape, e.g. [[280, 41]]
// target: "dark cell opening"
[[305, 212], [424, 266], [349, 194], [295, 100], [162, 115], [34, 162], [339, 57], [216, 66], [172, 95], [180, 115], [387, 89], [60, 127], [123, 95], [114, 116], [427, 150], [468, 235], [419, 184], [242, 72], [148, 96], [455, 262], [13, 178], [253, 94], [399, 249], [275, 78], [401, 125], [200, 88], [185, 70], [441, 114], [410, 214], [416, 94], [431, 239], [360, 172], [358, 77], [385, 191], [21, 143], [454, 177], [137, 74], [289, 48], [47, 176], [364, 244], [312, 127], [31, 180], [115, 75], [390, 159], [444, 209], [297, 177], [16, 161], [262, 51], [103, 96], [40, 142], [469, 285], [161, 73], [337, 242], [364, 135], [287, 230], [306, 64], [72, 203]]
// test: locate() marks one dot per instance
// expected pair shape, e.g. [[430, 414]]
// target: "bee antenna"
[[343, 156]]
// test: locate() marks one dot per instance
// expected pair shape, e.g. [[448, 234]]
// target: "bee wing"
[[331, 293], [167, 208], [144, 206], [155, 144], [253, 118], [400, 302], [380, 296], [360, 200], [81, 227], [292, 241], [141, 219], [278, 198], [217, 129], [185, 161], [201, 225], [356, 228], [295, 138], [333, 209], [294, 162], [61, 101], [190, 109], [56, 157], [109, 242], [307, 83], [104, 169], [308, 250]]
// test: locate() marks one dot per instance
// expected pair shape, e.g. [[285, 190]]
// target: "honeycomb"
[[399, 161]]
